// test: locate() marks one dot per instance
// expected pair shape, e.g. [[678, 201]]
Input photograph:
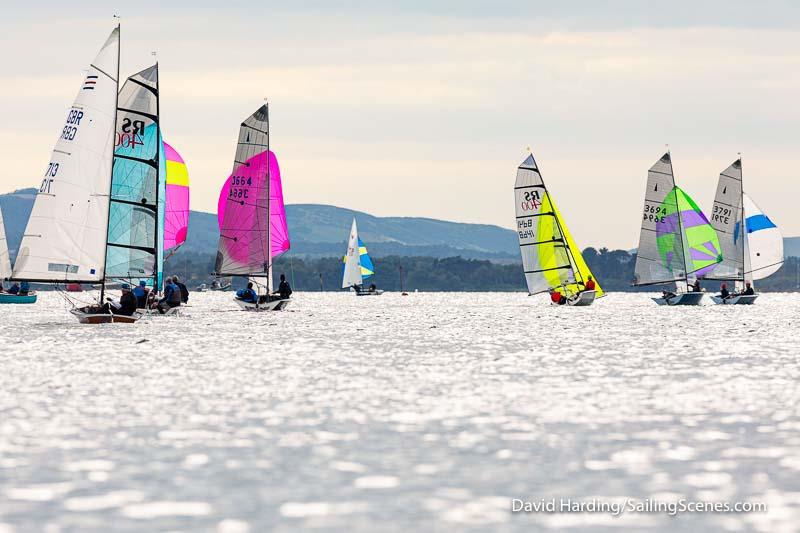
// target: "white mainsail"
[[352, 261], [65, 239], [756, 252], [5, 261], [763, 243], [726, 219]]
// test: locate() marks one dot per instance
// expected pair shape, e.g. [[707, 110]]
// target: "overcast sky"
[[426, 110]]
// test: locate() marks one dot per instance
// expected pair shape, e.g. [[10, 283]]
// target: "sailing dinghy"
[[358, 266], [65, 240], [676, 243], [550, 257], [251, 215], [756, 252], [5, 273]]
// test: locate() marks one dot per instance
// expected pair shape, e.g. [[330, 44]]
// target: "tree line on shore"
[[613, 268]]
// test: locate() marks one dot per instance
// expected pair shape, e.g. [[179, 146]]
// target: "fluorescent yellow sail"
[[553, 255]]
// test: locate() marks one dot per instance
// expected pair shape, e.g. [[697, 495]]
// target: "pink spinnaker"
[[176, 211], [239, 249]]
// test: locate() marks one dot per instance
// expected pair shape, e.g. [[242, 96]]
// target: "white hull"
[[686, 298], [274, 305], [583, 299], [735, 300]]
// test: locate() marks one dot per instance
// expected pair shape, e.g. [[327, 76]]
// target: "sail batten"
[[65, 238], [550, 257]]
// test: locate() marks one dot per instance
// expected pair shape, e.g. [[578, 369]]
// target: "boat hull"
[[741, 299], [367, 292], [172, 311], [6, 298], [686, 298], [583, 299], [85, 316], [273, 305]]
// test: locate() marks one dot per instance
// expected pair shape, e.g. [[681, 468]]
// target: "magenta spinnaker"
[[176, 212], [239, 249]]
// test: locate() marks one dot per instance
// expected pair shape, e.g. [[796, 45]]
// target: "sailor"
[[127, 302], [284, 290], [748, 291], [590, 284], [24, 288], [723, 291], [247, 295], [373, 287], [140, 293], [182, 288], [172, 296], [14, 289], [557, 298], [668, 294], [696, 286]]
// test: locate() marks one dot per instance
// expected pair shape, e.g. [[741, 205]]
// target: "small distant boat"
[[756, 252], [358, 266], [550, 257], [251, 215], [5, 272], [676, 240]]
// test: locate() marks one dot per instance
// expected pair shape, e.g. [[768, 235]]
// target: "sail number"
[[239, 187], [50, 173], [525, 228], [73, 122], [654, 213], [722, 214]]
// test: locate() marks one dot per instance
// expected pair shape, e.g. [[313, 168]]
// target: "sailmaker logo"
[[89, 83], [531, 205]]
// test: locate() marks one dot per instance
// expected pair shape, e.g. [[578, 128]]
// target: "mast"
[[158, 184], [111, 181], [680, 223], [269, 211], [742, 224]]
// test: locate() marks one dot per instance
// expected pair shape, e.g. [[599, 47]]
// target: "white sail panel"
[[764, 242], [726, 218], [352, 261], [5, 261], [65, 239], [660, 257], [545, 258]]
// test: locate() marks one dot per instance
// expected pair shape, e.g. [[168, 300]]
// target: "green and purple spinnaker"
[[690, 236]]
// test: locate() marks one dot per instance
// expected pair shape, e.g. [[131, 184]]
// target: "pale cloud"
[[417, 111]]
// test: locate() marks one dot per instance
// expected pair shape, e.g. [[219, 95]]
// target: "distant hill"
[[322, 231]]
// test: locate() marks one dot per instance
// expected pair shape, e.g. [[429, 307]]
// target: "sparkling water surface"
[[421, 413]]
